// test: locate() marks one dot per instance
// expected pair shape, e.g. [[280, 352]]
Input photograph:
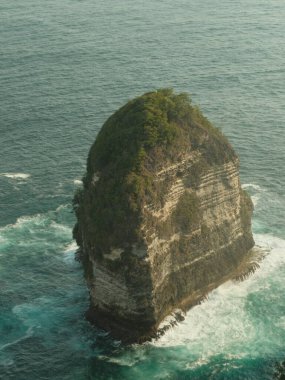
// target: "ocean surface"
[[65, 66]]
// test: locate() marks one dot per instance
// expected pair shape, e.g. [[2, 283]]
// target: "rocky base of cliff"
[[130, 332]]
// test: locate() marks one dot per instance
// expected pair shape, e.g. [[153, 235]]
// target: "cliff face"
[[162, 218]]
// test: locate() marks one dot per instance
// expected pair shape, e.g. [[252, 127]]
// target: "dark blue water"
[[65, 66]]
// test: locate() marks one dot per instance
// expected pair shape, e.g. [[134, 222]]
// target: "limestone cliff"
[[162, 218]]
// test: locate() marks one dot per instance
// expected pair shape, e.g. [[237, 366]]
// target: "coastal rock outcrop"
[[162, 218]]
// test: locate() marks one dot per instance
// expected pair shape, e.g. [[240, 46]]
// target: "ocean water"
[[65, 66]]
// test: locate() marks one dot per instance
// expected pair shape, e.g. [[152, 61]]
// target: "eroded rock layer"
[[162, 218]]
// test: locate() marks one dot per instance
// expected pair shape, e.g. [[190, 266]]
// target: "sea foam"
[[15, 175], [255, 191], [69, 254], [223, 324], [27, 335], [251, 186]]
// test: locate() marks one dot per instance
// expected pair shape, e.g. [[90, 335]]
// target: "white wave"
[[198, 363], [15, 175], [222, 324], [77, 182], [252, 186], [72, 247], [29, 227], [275, 244], [62, 207], [255, 199], [61, 227], [27, 335], [24, 220], [256, 192], [69, 254], [123, 360]]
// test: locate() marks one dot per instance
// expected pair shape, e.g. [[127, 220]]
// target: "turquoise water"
[[65, 67]]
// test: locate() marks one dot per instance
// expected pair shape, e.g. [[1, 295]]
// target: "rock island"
[[162, 218]]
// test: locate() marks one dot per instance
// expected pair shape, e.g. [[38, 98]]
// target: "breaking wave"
[[227, 323], [15, 175]]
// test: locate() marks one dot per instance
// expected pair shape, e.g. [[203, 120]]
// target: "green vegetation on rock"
[[186, 214]]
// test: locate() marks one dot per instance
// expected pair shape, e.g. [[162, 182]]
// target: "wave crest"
[[15, 175]]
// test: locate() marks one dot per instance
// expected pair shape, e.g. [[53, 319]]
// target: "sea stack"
[[162, 218]]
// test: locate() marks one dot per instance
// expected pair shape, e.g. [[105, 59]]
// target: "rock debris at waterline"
[[162, 218]]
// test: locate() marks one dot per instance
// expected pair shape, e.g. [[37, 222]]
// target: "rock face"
[[162, 218]]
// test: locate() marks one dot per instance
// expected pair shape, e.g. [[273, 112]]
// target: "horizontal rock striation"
[[183, 226]]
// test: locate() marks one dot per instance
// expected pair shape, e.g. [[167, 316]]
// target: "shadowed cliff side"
[[162, 218]]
